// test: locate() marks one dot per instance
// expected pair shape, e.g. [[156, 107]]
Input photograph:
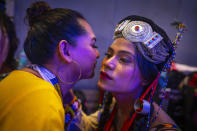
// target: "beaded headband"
[[139, 31], [148, 42]]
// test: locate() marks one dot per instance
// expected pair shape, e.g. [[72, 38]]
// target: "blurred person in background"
[[8, 42]]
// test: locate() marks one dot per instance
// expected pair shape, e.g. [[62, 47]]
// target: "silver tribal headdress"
[[148, 42]]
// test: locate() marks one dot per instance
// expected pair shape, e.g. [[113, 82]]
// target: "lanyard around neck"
[[48, 76]]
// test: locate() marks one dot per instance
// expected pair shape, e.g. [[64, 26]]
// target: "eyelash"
[[122, 60], [108, 55]]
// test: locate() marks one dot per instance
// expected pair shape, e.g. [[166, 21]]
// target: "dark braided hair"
[[47, 28], [148, 69], [105, 114]]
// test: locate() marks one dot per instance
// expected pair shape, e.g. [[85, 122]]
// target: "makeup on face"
[[119, 72]]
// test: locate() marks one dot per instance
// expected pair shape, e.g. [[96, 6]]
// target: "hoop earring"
[[74, 81], [142, 106]]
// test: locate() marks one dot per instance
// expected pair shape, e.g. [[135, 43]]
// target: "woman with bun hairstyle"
[[129, 74], [61, 47], [8, 42]]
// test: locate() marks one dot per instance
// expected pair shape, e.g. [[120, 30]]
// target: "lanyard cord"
[[48, 76]]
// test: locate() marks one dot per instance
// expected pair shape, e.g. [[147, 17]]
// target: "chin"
[[103, 86], [88, 76], [91, 75], [99, 84], [108, 88]]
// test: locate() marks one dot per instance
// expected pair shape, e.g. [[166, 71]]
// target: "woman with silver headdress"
[[141, 50]]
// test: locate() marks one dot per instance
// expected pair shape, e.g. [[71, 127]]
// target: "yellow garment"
[[28, 103]]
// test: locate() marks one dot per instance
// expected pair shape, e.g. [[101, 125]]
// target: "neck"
[[126, 102], [64, 87], [67, 94]]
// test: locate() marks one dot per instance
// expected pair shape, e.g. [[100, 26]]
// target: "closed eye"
[[108, 55], [125, 60]]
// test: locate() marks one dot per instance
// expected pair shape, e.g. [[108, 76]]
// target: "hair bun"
[[35, 11]]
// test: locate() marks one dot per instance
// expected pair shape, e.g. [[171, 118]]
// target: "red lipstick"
[[104, 76]]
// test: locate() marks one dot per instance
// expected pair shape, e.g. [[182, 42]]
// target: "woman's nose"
[[110, 64], [97, 54]]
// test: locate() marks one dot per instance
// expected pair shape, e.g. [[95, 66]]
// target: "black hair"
[[8, 25], [148, 69], [47, 28], [106, 111]]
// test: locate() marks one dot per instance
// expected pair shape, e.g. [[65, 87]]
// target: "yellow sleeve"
[[40, 110]]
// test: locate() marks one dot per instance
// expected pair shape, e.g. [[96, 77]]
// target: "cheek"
[[88, 53], [83, 55], [121, 75], [87, 59], [124, 76], [128, 79], [125, 72]]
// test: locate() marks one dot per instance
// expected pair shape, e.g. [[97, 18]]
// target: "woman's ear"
[[63, 51]]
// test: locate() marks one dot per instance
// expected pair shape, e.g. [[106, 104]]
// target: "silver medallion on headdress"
[[139, 31]]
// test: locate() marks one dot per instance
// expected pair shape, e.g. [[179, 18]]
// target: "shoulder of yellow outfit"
[[29, 77], [71, 108], [24, 75]]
